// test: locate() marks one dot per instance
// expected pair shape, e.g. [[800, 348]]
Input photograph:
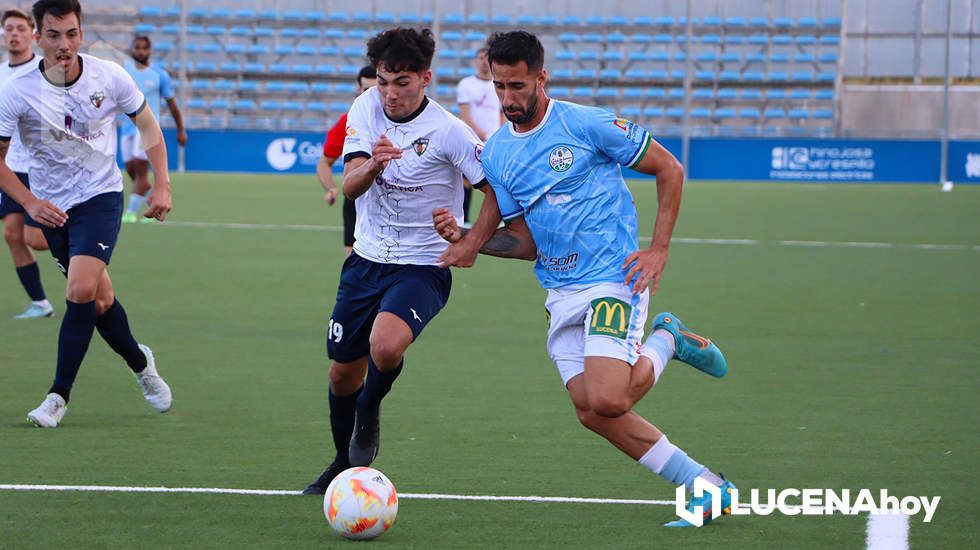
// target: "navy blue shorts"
[[10, 206], [91, 230], [415, 293]]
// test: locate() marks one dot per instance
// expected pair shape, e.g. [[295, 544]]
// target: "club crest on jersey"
[[561, 158], [420, 145], [97, 98]]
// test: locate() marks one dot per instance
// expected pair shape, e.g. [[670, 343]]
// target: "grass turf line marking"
[[887, 532], [683, 240], [418, 496]]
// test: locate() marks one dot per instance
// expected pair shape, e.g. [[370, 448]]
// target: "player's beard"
[[142, 60], [527, 114]]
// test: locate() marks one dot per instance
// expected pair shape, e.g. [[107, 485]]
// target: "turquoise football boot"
[[129, 217], [35, 311], [704, 501], [697, 351]]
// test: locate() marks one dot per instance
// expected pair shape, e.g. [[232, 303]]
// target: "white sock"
[[135, 202], [658, 455], [659, 348], [42, 303]]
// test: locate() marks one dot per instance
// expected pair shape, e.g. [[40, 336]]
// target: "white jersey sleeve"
[[126, 93], [360, 119], [464, 150], [9, 112]]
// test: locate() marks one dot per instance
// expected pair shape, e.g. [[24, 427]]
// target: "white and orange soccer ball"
[[360, 503]]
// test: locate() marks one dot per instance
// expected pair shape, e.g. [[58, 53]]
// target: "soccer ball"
[[360, 503]]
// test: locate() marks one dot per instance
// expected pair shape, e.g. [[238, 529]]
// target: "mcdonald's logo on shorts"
[[610, 317]]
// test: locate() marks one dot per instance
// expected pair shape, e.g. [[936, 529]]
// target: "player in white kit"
[[64, 111], [404, 156], [19, 230]]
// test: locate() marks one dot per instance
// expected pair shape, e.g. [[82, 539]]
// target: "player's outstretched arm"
[[511, 241], [360, 172], [40, 210], [178, 121], [462, 252], [646, 266], [324, 173], [161, 202]]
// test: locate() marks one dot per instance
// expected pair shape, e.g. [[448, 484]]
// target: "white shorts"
[[131, 147], [602, 320]]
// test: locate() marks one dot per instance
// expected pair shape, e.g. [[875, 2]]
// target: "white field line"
[[888, 532], [683, 240], [418, 496]]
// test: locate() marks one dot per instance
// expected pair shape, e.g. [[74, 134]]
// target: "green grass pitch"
[[852, 366]]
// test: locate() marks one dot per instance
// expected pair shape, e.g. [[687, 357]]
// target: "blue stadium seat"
[[778, 76], [348, 70], [779, 58], [150, 11], [609, 74], [210, 47], [782, 40], [330, 51], [759, 22], [220, 13], [274, 87], [731, 57], [653, 112], [595, 20], [704, 75], [829, 40], [711, 21], [240, 31], [571, 20], [734, 39], [244, 105], [360, 17], [676, 93], [353, 51], [195, 30], [314, 17], [724, 112], [643, 21], [828, 57], [559, 91], [278, 68], [655, 93], [750, 113], [244, 13], [172, 12], [772, 113], [702, 93], [612, 55], [339, 106], [320, 88], [224, 85], [499, 19], [257, 49], [234, 48], [831, 22], [826, 76], [568, 38], [751, 94], [206, 67], [592, 38], [641, 38], [288, 32], [633, 93], [607, 92], [802, 76], [526, 19], [548, 21], [284, 49], [782, 22], [248, 86], [630, 111], [219, 104], [735, 22], [677, 75], [333, 34], [196, 12], [448, 53], [215, 30], [588, 55], [170, 28], [661, 57], [561, 74], [231, 67], [806, 40], [755, 57], [475, 36], [306, 50], [799, 93], [658, 75], [196, 103], [316, 106], [700, 112], [616, 38], [675, 112], [357, 34], [311, 33], [144, 28], [823, 113], [618, 21], [727, 94], [293, 106], [663, 39], [304, 69], [799, 114], [803, 58], [637, 56], [823, 94], [263, 32], [707, 57], [270, 105], [163, 47], [711, 39], [445, 72], [451, 36], [565, 55], [775, 94], [586, 74]]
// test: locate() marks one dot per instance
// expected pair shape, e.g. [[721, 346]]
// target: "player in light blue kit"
[[155, 83], [556, 175]]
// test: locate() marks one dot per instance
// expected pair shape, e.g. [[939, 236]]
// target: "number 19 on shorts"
[[335, 331]]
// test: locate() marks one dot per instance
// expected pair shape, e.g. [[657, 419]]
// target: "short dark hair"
[[144, 38], [402, 49], [366, 71], [57, 8], [510, 48], [16, 13]]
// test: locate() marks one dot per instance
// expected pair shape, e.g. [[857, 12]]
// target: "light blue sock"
[[681, 469], [135, 203]]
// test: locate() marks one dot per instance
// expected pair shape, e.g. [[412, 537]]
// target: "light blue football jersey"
[[155, 84], [565, 178]]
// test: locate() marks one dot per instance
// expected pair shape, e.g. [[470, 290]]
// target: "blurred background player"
[[19, 230], [65, 109], [404, 156], [155, 83], [559, 165], [479, 108], [333, 147]]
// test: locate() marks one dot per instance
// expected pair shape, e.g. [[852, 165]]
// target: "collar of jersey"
[[547, 113], [81, 69], [12, 66], [411, 117]]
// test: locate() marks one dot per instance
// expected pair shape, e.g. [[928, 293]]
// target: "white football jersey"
[[394, 216], [69, 131], [483, 101], [17, 157]]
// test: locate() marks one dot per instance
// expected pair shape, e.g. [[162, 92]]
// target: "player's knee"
[[609, 406], [588, 419], [82, 292], [34, 238], [345, 378], [102, 304], [13, 235], [386, 352]]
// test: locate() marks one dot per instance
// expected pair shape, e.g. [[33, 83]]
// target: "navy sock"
[[113, 325], [342, 408], [76, 332], [377, 385], [30, 278]]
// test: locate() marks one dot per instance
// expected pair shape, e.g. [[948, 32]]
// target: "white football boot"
[[155, 390], [49, 413]]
